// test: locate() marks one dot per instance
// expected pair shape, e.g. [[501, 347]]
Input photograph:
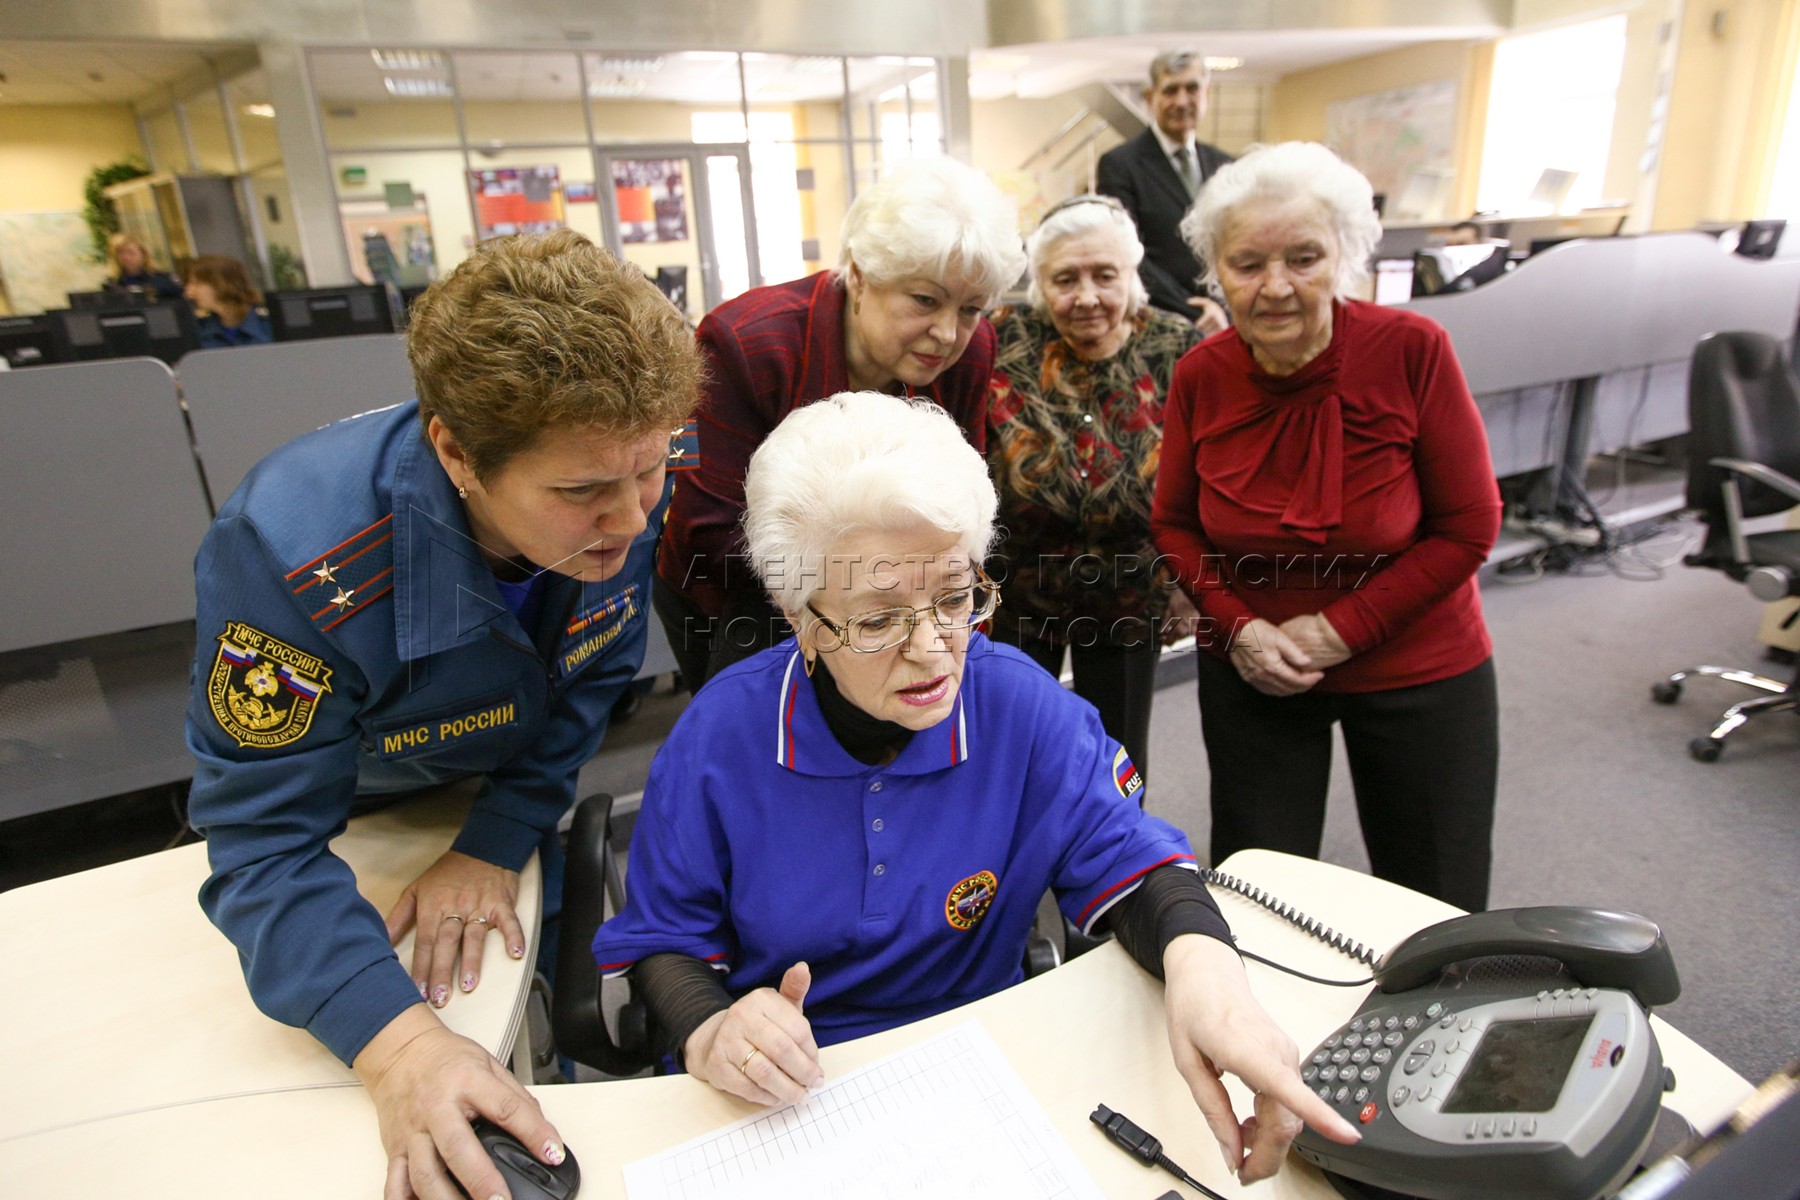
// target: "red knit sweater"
[[1359, 487]]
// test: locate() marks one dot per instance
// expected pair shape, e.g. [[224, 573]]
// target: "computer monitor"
[[30, 342], [166, 331], [1759, 239], [1458, 268], [330, 312], [111, 298]]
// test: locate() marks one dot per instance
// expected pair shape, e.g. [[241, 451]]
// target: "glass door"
[[683, 214]]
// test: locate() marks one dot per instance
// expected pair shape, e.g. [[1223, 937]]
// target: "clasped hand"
[[1287, 659], [762, 1047], [455, 903]]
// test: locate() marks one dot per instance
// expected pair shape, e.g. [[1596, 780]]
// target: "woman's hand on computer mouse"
[[426, 1081], [762, 1047], [456, 903]]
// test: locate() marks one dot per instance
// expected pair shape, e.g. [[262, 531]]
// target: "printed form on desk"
[[948, 1117]]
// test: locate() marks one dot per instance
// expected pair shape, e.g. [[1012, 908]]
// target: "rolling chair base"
[[1782, 698]]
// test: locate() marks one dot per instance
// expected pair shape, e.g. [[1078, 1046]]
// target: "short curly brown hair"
[[548, 331]]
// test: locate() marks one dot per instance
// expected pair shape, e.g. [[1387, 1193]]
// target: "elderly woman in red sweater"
[[1326, 497]]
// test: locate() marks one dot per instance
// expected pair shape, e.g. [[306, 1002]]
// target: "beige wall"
[[1297, 102], [50, 150], [1725, 112]]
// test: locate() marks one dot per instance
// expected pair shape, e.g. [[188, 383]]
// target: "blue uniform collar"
[[804, 744], [444, 593]]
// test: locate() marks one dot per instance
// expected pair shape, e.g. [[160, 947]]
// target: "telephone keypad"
[[1360, 1055], [1382, 1055]]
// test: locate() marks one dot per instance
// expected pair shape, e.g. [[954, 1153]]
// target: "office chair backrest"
[[1743, 402]]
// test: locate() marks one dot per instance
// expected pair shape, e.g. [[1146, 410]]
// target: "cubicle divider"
[[246, 401], [1591, 340], [104, 513], [113, 471]]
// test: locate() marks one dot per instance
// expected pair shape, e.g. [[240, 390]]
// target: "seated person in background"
[[924, 252], [863, 818], [227, 303], [452, 587], [1074, 428], [1465, 233], [132, 271]]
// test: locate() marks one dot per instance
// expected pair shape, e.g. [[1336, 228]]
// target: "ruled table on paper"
[[949, 1113]]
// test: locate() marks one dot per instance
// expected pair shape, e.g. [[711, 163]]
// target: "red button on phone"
[[1368, 1113]]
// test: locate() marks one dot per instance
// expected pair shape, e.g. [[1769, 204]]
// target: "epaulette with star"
[[684, 447], [347, 578]]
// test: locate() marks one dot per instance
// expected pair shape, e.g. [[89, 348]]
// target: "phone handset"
[[1600, 949]]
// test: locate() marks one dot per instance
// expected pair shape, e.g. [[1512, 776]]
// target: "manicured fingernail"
[[516, 951], [420, 984], [440, 995], [1229, 1165], [553, 1154], [468, 983]]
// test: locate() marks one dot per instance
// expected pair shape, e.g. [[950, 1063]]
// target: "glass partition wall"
[[713, 171]]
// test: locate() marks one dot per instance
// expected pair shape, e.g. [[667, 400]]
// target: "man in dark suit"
[[1156, 176]]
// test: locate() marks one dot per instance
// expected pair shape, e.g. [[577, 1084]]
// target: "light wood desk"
[[122, 996], [1087, 1033]]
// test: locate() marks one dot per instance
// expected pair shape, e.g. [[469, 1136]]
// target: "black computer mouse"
[[526, 1177]]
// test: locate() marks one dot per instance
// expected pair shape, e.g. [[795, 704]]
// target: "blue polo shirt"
[[908, 888]]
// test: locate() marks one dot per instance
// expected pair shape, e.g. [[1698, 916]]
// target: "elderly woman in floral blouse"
[[1074, 431]]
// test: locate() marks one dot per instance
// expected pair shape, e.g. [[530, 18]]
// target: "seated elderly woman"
[[864, 817], [1074, 431], [925, 250]]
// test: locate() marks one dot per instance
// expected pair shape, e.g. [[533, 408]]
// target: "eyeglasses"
[[885, 628]]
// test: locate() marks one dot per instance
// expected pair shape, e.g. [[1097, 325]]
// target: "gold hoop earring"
[[462, 493], [810, 664]]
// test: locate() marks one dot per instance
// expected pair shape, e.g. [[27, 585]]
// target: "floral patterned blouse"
[[1073, 446]]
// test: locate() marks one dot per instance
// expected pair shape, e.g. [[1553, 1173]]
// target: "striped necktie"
[[1187, 169]]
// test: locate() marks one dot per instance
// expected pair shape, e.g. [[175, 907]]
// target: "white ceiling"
[[692, 77], [120, 73], [100, 72], [1050, 68]]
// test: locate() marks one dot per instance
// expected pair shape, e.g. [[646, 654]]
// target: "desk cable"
[[1143, 1147]]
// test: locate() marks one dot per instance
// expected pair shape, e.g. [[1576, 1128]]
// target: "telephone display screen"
[[1519, 1067]]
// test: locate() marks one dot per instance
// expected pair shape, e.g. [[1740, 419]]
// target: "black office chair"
[[592, 891], [1743, 462]]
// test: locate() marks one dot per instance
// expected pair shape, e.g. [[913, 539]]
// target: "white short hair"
[[1273, 174], [1077, 217], [857, 462], [930, 215]]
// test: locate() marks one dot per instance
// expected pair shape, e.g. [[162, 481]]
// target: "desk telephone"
[[1504, 1055]]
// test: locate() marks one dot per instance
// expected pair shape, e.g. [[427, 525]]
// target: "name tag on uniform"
[[418, 735], [593, 629]]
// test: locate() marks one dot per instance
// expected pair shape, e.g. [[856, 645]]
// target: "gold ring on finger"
[[451, 917], [744, 1067], [478, 920]]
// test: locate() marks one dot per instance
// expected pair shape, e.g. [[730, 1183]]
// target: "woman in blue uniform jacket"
[[863, 817], [454, 586]]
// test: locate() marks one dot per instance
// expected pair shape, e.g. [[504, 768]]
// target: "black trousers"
[[703, 646], [1120, 681], [1423, 760]]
